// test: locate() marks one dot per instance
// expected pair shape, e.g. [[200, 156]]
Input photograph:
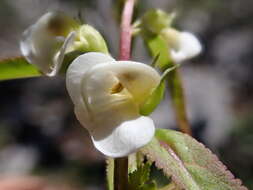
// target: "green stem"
[[178, 100]]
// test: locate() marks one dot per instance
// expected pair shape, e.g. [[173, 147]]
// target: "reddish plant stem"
[[121, 164], [126, 30]]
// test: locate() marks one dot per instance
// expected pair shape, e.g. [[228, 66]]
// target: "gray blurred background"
[[39, 135]]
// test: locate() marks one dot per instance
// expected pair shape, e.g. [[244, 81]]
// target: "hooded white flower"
[[107, 95], [183, 45], [46, 42]]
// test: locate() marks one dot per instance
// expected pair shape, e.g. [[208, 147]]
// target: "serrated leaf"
[[139, 177], [190, 164], [170, 164], [156, 95], [17, 67], [110, 173]]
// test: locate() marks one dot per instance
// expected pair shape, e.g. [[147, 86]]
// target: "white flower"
[[107, 95], [183, 45], [46, 42]]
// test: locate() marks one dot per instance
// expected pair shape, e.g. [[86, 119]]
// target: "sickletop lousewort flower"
[[55, 34], [182, 45], [107, 95]]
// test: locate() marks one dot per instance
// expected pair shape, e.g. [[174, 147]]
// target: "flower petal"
[[137, 78], [36, 46], [77, 70], [126, 138], [188, 47], [83, 116], [114, 90], [42, 41], [59, 57]]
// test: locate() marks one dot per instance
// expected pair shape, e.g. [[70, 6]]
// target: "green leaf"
[[153, 64], [156, 20], [170, 164], [157, 94], [140, 178], [149, 186], [158, 46], [171, 186], [110, 173], [154, 100], [15, 68], [190, 164]]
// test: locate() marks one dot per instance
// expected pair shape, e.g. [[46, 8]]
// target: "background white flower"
[[183, 45], [107, 95], [46, 42]]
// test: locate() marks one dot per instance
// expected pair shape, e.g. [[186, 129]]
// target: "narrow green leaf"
[[154, 62], [157, 95], [154, 99], [15, 68], [167, 71], [190, 164], [110, 173]]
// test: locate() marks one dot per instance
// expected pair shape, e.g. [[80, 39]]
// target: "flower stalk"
[[121, 164], [178, 100], [121, 173], [126, 30]]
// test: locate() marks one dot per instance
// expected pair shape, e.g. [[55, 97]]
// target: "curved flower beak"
[[46, 42], [183, 45], [107, 95]]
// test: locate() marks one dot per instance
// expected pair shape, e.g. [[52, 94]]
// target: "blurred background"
[[42, 145]]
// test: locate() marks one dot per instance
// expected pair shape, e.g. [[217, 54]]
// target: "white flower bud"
[[107, 95], [46, 42], [182, 45]]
